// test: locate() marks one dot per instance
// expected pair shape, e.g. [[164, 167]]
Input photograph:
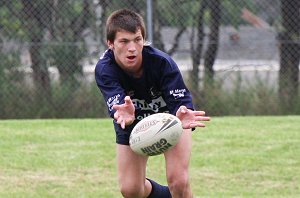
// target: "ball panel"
[[155, 134]]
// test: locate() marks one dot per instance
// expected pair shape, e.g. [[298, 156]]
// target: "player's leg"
[[177, 166], [159, 191], [131, 173]]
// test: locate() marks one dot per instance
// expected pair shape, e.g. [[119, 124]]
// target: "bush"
[[85, 101]]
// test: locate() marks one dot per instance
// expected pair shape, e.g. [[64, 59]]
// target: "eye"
[[124, 41], [138, 39]]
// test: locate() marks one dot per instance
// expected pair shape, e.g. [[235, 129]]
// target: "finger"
[[127, 100], [196, 124], [202, 118], [206, 118], [116, 115], [123, 124], [199, 113], [116, 107], [119, 120]]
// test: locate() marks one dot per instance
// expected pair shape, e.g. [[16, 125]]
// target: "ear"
[[110, 44]]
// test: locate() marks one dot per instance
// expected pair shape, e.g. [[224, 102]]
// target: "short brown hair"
[[124, 19]]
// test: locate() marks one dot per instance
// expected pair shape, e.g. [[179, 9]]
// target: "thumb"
[[183, 109], [127, 100]]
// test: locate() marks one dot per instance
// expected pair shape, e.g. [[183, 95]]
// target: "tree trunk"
[[157, 41], [175, 45], [289, 54], [197, 50], [104, 6], [211, 53], [34, 26]]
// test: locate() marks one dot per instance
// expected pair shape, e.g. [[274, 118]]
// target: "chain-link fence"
[[237, 57]]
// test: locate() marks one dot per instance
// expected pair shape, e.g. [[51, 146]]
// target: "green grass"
[[232, 157]]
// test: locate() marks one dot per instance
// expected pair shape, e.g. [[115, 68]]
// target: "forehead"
[[123, 34]]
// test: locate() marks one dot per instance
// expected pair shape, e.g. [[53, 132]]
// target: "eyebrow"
[[137, 37]]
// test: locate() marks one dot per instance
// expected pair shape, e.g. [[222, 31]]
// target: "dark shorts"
[[122, 136]]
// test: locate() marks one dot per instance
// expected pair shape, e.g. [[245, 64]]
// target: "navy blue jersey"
[[159, 89]]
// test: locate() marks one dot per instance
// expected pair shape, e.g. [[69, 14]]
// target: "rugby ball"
[[155, 134]]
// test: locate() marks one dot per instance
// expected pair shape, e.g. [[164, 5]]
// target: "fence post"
[[149, 21]]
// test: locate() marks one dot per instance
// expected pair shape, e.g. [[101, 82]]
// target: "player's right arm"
[[107, 77], [124, 114]]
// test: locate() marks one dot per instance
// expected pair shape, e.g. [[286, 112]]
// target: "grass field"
[[232, 157]]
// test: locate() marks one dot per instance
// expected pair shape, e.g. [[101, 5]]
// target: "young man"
[[137, 80]]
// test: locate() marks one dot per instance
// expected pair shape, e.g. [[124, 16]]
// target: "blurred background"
[[237, 57]]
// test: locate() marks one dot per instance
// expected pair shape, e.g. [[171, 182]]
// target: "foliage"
[[10, 23], [63, 26], [66, 103], [174, 16], [86, 101], [232, 11], [83, 102], [8, 78], [249, 99]]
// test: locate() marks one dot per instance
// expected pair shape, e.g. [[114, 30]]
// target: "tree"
[[36, 18], [102, 20], [197, 46], [289, 54], [66, 30], [157, 38], [176, 17], [214, 9], [9, 55]]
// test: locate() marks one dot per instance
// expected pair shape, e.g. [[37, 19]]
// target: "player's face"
[[127, 49]]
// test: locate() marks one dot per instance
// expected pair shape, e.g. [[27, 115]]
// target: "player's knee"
[[131, 191], [178, 183]]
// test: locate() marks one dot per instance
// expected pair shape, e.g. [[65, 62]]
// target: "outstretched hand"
[[124, 114], [190, 119]]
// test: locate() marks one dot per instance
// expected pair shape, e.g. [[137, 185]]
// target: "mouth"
[[131, 58]]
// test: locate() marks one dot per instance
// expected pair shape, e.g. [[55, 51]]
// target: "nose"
[[131, 46]]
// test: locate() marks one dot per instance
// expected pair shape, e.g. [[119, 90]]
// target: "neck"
[[136, 74]]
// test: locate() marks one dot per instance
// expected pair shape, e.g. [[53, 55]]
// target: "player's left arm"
[[178, 97], [191, 119]]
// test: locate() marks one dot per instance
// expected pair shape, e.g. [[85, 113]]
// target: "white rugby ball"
[[155, 134]]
